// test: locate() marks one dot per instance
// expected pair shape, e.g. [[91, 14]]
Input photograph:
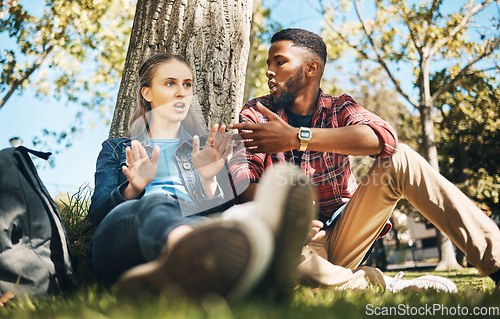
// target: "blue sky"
[[25, 116]]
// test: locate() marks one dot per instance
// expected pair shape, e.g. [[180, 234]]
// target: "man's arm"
[[278, 136]]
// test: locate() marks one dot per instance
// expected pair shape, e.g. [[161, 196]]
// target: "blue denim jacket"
[[110, 180]]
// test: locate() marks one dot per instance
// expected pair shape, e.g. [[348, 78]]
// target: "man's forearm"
[[350, 140]]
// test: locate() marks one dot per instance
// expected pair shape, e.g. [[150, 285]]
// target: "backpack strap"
[[44, 155]]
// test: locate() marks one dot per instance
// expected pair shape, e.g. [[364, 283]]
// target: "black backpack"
[[34, 249]]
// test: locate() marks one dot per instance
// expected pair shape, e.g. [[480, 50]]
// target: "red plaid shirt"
[[330, 173]]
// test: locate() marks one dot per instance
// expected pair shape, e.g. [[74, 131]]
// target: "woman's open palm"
[[210, 160], [141, 169]]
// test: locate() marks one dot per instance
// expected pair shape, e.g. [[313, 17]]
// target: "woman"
[[152, 189]]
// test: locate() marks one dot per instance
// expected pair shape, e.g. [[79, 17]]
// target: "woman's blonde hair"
[[140, 118]]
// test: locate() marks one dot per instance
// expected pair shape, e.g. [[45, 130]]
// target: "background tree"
[[468, 136], [213, 36], [71, 51], [370, 88], [419, 35], [262, 29]]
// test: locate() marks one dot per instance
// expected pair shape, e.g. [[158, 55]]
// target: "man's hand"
[[272, 137], [316, 233]]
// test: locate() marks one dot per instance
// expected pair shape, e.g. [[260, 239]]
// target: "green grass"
[[93, 301]]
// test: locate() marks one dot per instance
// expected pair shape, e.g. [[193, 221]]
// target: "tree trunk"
[[447, 260], [212, 35]]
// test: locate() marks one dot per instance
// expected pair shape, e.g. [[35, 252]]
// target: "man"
[[299, 123]]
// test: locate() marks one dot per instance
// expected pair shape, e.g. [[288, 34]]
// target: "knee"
[[403, 155], [403, 148]]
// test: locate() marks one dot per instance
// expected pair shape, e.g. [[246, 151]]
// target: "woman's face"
[[171, 91]]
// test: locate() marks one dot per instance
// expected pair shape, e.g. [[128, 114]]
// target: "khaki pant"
[[406, 174]]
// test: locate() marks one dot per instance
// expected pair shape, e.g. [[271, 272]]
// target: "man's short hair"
[[302, 38]]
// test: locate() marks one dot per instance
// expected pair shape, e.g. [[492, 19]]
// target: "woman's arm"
[[108, 181], [112, 185]]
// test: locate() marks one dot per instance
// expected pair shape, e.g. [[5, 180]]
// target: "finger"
[[317, 223], [247, 135], [244, 126], [126, 171], [224, 142], [135, 150], [254, 149], [218, 137], [156, 155], [129, 157], [142, 151], [267, 112], [211, 134], [228, 148], [196, 144], [251, 143], [316, 229], [319, 235]]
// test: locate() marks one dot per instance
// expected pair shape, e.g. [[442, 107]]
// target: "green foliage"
[[469, 136], [412, 36], [71, 51], [262, 30], [79, 229], [418, 36]]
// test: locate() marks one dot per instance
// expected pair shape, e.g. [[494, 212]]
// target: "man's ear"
[[146, 94], [313, 68]]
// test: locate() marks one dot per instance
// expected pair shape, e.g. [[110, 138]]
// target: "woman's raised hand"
[[210, 160], [140, 169]]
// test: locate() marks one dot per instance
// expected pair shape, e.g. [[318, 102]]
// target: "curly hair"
[[302, 38]]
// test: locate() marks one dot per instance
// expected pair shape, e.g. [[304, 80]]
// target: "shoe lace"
[[392, 284]]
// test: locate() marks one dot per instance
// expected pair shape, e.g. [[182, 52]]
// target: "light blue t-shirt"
[[168, 176]]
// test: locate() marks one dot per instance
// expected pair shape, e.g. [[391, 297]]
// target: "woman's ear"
[[146, 94], [312, 68]]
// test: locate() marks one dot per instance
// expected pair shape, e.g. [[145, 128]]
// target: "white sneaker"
[[438, 283], [284, 201]]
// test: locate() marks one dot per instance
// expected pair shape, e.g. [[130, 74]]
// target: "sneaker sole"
[[292, 194], [218, 258]]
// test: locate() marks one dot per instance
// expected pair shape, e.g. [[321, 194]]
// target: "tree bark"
[[447, 259], [214, 38]]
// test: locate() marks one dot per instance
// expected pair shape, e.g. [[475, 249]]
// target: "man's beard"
[[286, 96]]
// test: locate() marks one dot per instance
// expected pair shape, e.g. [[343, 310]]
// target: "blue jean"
[[135, 232]]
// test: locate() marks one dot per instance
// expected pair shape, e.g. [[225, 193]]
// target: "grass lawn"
[[93, 301]]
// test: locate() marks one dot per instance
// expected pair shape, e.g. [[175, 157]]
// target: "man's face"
[[285, 71]]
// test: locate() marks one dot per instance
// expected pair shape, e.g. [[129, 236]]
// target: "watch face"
[[305, 134]]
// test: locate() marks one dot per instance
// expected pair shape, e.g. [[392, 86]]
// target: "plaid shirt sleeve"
[[351, 113]]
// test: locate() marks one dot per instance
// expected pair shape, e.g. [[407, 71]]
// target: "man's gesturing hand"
[[272, 137]]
